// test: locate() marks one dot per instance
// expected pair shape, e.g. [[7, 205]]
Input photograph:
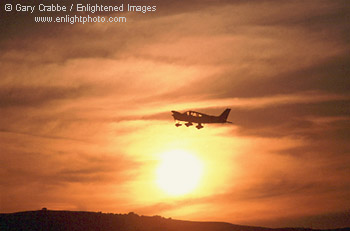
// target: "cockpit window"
[[193, 113]]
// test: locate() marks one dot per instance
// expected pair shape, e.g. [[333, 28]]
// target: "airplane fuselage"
[[199, 118]]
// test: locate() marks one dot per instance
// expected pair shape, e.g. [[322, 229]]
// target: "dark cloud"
[[51, 168], [325, 149], [294, 120], [330, 22], [339, 219], [36, 96], [281, 186], [330, 76], [39, 171]]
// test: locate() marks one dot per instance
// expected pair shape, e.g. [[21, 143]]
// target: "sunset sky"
[[85, 121]]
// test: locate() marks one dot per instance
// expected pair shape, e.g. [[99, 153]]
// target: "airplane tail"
[[224, 115]]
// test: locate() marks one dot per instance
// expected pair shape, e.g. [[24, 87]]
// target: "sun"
[[179, 172]]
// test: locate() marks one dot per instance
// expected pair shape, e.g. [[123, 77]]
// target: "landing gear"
[[199, 126]]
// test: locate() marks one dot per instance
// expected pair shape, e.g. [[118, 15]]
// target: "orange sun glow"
[[179, 172]]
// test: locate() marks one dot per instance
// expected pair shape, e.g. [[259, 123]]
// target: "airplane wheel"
[[199, 126]]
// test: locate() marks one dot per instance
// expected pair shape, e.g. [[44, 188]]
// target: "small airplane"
[[200, 118]]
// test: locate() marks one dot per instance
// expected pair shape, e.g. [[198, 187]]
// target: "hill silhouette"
[[93, 221]]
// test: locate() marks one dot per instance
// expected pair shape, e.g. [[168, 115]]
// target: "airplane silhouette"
[[200, 118]]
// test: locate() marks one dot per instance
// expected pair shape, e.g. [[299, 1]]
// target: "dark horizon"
[[88, 220]]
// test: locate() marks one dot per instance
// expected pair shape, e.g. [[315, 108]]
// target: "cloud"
[[57, 171], [37, 96], [293, 120], [323, 220]]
